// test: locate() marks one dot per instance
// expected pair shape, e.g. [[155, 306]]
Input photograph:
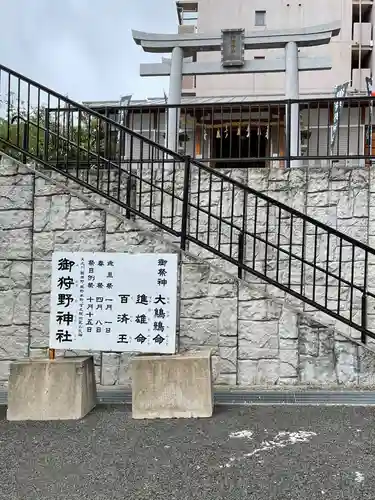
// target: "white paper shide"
[[114, 302]]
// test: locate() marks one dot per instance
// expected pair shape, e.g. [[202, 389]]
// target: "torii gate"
[[232, 43]]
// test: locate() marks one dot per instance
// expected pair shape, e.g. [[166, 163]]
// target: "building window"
[[189, 18], [187, 14], [260, 18]]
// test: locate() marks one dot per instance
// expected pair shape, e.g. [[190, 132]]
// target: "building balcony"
[[359, 79], [362, 34], [185, 29], [187, 12], [364, 3]]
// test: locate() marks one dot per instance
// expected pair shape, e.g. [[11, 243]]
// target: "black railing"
[[206, 210], [256, 134]]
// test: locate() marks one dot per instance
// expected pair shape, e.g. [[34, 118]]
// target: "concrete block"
[[172, 386], [41, 389]]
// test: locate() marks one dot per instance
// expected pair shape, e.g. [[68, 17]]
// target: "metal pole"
[[25, 143], [371, 111], [364, 300], [241, 245], [364, 318], [174, 98], [185, 204], [292, 92], [373, 40]]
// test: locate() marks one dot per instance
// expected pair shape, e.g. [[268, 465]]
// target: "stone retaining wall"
[[257, 338]]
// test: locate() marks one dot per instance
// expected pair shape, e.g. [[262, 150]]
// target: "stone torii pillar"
[[174, 97], [292, 92], [232, 44]]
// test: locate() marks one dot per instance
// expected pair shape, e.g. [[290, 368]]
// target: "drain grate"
[[248, 398]]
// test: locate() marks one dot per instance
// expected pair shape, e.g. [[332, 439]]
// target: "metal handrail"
[[239, 233], [85, 109]]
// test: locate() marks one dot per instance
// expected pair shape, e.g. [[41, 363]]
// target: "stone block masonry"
[[342, 198], [256, 336]]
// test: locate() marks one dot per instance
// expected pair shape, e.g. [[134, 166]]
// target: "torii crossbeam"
[[232, 44]]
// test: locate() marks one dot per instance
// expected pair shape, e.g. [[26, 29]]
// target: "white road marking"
[[359, 477], [241, 434], [281, 440]]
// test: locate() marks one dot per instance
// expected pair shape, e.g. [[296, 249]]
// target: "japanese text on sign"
[[233, 48], [114, 302]]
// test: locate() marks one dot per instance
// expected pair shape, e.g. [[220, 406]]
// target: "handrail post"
[[241, 241], [128, 196], [364, 318], [364, 302], [185, 203], [46, 134], [25, 141]]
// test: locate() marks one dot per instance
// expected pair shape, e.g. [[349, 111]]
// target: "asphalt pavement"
[[262, 453]]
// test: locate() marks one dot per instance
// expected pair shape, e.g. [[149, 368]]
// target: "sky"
[[84, 48]]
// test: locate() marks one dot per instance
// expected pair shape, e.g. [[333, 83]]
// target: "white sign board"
[[113, 302]]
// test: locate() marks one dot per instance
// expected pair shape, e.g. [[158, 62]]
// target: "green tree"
[[59, 137]]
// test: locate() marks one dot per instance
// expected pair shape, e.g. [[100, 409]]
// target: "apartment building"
[[351, 52], [242, 117]]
